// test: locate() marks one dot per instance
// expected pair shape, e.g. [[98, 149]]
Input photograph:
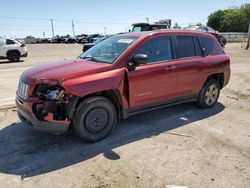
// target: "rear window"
[[207, 43], [185, 47]]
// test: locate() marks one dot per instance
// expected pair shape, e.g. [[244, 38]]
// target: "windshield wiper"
[[93, 59]]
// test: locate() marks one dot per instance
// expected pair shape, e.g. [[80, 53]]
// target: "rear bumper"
[[26, 115], [227, 75], [25, 54]]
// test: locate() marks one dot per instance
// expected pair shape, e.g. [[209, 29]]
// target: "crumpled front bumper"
[[25, 115]]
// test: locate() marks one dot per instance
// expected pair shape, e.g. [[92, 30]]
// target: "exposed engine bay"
[[53, 102]]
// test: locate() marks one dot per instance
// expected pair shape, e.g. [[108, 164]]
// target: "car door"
[[191, 65], [157, 81], [9, 45]]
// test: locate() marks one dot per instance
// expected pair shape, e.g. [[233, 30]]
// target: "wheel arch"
[[112, 94], [217, 76], [11, 51]]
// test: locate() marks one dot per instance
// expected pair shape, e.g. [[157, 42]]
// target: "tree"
[[30, 39], [215, 19], [176, 26], [234, 19]]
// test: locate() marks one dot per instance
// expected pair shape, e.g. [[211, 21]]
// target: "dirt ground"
[[177, 146]]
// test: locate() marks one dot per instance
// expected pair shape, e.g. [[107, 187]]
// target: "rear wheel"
[[209, 94], [95, 118], [14, 56]]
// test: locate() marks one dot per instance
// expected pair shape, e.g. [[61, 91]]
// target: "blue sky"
[[93, 16]]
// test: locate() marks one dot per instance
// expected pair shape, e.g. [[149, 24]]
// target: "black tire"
[[95, 118], [209, 94], [13, 56]]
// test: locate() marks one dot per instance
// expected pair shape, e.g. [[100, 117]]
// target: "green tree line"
[[235, 19]]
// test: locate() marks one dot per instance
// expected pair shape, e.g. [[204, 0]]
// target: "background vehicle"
[[161, 24], [81, 38], [207, 29], [87, 46], [91, 38], [121, 76], [69, 39], [12, 50], [138, 27], [44, 40]]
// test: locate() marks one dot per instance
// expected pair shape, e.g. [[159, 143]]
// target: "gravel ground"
[[181, 145]]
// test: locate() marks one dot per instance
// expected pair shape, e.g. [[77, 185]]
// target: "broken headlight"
[[49, 92]]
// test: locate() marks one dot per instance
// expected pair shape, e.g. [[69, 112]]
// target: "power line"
[[23, 18], [63, 20]]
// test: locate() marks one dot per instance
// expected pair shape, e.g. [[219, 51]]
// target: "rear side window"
[[185, 47], [8, 42], [157, 49], [207, 43]]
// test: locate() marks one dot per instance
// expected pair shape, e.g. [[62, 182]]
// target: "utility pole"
[[52, 28], [73, 27], [105, 30], [43, 35], [248, 37]]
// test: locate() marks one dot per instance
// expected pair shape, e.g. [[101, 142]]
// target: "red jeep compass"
[[121, 76]]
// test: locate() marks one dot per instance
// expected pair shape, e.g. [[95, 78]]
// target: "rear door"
[[191, 65], [157, 81]]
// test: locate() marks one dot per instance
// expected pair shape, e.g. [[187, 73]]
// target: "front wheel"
[[95, 118], [209, 94]]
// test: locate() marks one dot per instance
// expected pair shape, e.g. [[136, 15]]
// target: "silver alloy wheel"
[[211, 94]]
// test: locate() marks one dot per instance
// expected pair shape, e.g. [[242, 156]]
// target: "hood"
[[63, 70]]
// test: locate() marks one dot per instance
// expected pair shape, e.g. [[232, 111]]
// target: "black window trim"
[[199, 48]]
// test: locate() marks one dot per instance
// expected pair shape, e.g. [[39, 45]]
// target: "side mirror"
[[138, 59]]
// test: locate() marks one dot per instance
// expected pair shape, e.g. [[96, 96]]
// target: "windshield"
[[108, 50]]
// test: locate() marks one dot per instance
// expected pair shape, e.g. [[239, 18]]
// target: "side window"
[[157, 49], [207, 43], [185, 47], [197, 46], [8, 42]]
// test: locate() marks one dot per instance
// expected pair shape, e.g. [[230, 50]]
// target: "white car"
[[12, 50]]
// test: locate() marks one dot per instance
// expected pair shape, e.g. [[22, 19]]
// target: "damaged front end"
[[54, 101], [49, 107]]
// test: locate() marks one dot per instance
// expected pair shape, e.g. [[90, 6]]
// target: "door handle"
[[170, 68]]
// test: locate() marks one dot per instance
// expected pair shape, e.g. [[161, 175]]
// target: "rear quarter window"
[[207, 43]]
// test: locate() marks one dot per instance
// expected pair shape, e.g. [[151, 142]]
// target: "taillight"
[[23, 45]]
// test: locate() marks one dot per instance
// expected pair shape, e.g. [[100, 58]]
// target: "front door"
[[157, 81]]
